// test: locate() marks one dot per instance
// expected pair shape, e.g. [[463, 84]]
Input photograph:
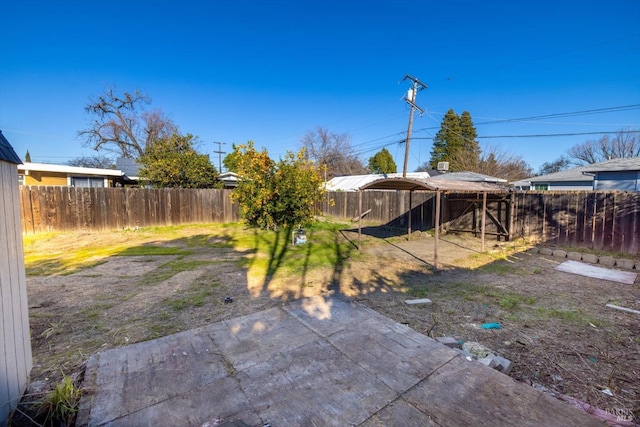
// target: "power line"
[[568, 114], [549, 134]]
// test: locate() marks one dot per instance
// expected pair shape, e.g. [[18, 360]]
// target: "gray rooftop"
[[6, 151], [574, 174], [628, 164], [578, 174], [467, 176], [129, 166]]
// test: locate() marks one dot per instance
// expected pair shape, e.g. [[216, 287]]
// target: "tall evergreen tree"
[[470, 154], [27, 157], [382, 162], [456, 143], [448, 140]]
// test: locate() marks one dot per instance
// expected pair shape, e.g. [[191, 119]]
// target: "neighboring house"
[[616, 174], [73, 176], [15, 341], [571, 179], [354, 182]]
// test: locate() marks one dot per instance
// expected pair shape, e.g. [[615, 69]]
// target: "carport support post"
[[410, 208], [360, 216], [484, 219], [437, 233]]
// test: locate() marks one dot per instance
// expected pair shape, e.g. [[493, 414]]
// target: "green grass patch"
[[148, 250], [481, 294], [499, 268], [569, 315], [197, 295], [170, 269]]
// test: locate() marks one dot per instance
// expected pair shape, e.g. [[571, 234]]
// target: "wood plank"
[[588, 270]]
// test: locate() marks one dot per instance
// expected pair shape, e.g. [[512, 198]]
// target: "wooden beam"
[[359, 217], [484, 219], [410, 207], [497, 223], [512, 212], [437, 233], [359, 222]]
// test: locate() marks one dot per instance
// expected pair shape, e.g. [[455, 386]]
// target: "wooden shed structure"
[[15, 343], [474, 193]]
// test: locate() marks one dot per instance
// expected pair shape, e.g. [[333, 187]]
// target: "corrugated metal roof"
[[6, 151], [432, 185], [354, 182]]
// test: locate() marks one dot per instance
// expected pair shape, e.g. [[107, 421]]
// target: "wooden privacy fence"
[[73, 208], [607, 221], [598, 220]]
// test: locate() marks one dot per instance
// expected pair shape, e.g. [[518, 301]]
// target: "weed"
[[512, 301], [61, 404], [53, 329]]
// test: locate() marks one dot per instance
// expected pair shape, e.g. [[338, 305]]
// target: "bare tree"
[[501, 164], [334, 151], [560, 164], [100, 162], [623, 144], [121, 125]]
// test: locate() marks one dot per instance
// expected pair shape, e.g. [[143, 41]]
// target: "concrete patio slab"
[[314, 362]]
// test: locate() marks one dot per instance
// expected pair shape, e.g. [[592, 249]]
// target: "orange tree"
[[273, 195]]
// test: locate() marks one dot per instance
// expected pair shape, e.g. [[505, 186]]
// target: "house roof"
[[615, 165], [6, 151], [581, 173], [468, 177], [574, 174], [354, 182], [129, 166], [45, 167]]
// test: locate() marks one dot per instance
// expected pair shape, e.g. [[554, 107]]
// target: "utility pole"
[[411, 100], [219, 153]]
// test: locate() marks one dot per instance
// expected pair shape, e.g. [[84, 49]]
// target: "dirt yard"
[[555, 327]]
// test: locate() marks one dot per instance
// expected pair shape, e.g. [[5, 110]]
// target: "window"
[[541, 187], [87, 181], [21, 179]]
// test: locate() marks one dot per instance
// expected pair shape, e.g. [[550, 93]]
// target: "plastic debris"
[[607, 392], [417, 301], [491, 326]]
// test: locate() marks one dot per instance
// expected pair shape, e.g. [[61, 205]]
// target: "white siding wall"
[[15, 344]]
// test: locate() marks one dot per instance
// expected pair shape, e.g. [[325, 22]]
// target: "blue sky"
[[270, 71]]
